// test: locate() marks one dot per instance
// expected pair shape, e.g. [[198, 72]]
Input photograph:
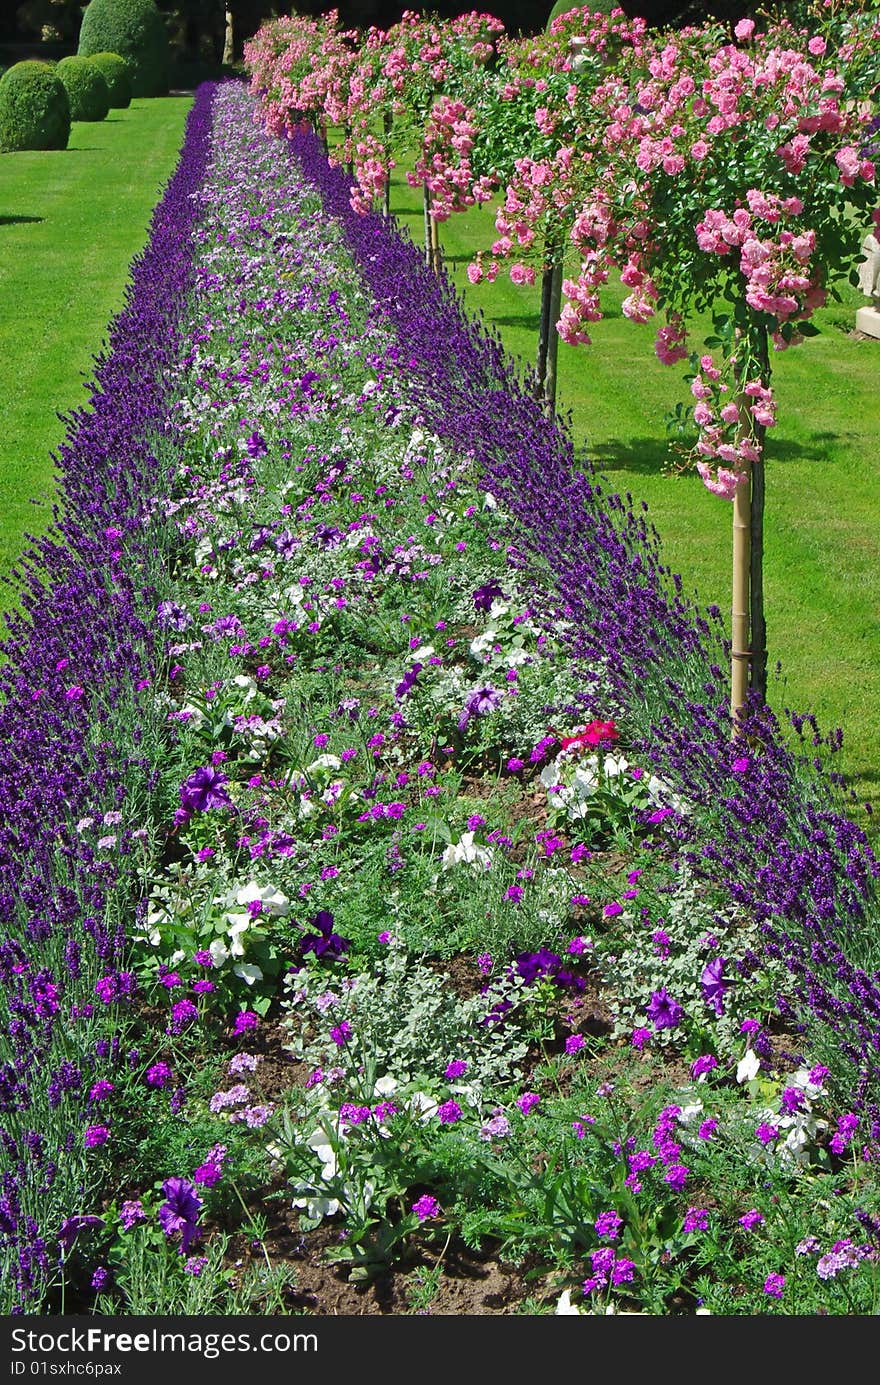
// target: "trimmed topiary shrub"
[[88, 92], [594, 6], [34, 108], [136, 31], [115, 73]]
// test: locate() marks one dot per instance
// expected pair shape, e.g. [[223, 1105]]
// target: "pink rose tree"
[[540, 127], [731, 178], [446, 76], [299, 70]]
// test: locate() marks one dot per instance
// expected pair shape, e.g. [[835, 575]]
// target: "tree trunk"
[[543, 331], [386, 195], [550, 373], [229, 39]]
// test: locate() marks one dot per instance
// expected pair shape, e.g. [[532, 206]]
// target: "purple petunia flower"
[[478, 704], [663, 1011], [203, 790], [485, 595], [324, 943], [71, 1227], [180, 1211], [713, 986], [705, 1063], [172, 616]]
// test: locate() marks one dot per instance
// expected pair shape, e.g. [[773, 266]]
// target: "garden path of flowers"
[[392, 924]]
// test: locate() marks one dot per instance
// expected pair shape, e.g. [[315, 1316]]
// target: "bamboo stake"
[[757, 623], [740, 652], [436, 253]]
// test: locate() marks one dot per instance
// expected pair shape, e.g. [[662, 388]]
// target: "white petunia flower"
[[272, 900], [748, 1066], [466, 850], [564, 1304], [248, 972]]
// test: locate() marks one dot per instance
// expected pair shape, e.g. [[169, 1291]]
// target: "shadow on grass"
[[652, 456], [20, 220], [457, 259], [645, 456], [526, 322]]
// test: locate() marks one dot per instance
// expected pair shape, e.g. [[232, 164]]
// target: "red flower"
[[591, 735]]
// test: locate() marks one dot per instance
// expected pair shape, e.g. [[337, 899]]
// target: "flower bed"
[[462, 927]]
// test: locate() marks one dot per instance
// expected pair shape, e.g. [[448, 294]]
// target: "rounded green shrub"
[[594, 6], [115, 72], [136, 31], [87, 91], [34, 108]]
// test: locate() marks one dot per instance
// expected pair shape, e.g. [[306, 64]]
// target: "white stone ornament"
[[868, 319]]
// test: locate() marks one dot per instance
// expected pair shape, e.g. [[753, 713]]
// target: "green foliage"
[[409, 1020], [116, 74], [594, 7], [136, 31], [34, 108], [86, 88]]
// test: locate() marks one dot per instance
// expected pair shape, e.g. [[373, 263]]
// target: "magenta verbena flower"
[[426, 1207], [448, 1112]]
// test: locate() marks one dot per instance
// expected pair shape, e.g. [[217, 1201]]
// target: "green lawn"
[[70, 223], [822, 561]]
